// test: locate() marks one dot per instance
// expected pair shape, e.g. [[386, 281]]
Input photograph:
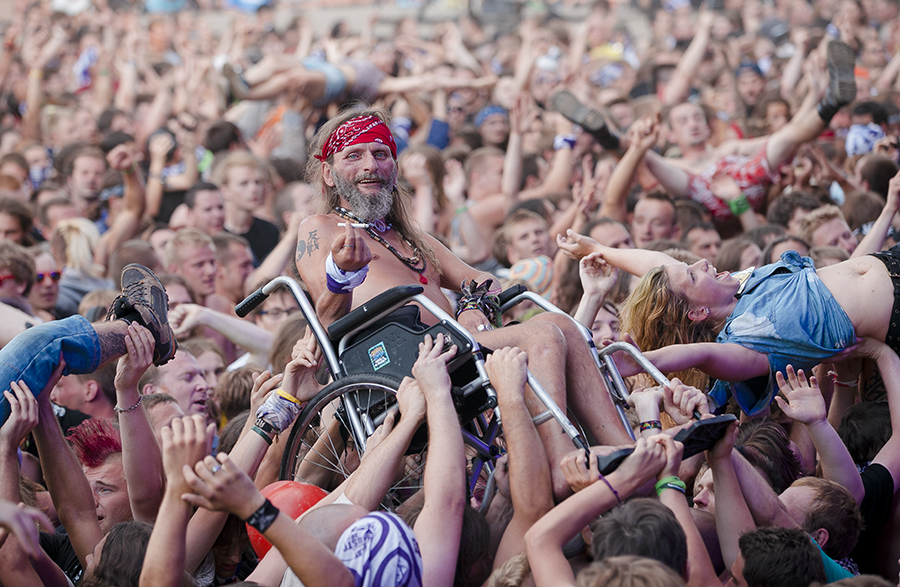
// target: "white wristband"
[[340, 281]]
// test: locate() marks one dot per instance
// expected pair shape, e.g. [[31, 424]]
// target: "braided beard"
[[367, 208]]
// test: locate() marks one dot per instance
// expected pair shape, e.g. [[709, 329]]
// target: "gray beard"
[[367, 208]]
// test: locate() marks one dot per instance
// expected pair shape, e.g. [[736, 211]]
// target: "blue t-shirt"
[[786, 312]]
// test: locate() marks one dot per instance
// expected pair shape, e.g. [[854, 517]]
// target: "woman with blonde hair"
[[786, 313], [73, 242], [629, 571]]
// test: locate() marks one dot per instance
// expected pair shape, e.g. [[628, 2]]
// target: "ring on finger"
[[216, 469], [349, 246]]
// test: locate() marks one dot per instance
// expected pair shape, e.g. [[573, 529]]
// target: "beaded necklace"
[[410, 262]]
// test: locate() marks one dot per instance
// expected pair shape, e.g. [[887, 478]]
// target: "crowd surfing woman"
[[786, 313]]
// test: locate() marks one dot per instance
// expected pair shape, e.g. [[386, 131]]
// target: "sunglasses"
[[53, 275], [3, 278]]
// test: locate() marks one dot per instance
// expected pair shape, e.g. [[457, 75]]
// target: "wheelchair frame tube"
[[309, 312], [614, 382]]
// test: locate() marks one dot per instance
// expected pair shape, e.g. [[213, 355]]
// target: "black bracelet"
[[262, 433], [264, 517]]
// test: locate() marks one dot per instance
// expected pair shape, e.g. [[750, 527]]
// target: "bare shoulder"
[[315, 235]]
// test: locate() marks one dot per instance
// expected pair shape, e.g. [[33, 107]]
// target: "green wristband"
[[670, 483], [739, 205]]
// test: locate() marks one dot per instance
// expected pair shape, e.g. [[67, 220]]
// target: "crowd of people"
[[717, 184]]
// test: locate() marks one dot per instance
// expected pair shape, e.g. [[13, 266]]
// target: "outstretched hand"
[[805, 403], [507, 368], [300, 372], [185, 441], [430, 369], [23, 416], [576, 246], [139, 345], [597, 276]]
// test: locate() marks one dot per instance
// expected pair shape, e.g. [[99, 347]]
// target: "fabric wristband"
[[339, 281], [566, 141], [263, 518], [651, 425], [739, 205], [670, 483], [279, 412]]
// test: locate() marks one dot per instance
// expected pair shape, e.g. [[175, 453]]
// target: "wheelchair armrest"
[[511, 292], [373, 307]]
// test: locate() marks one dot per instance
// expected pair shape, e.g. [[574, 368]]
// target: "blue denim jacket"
[[785, 311]]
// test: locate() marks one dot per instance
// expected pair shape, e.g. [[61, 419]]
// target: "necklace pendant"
[[423, 279]]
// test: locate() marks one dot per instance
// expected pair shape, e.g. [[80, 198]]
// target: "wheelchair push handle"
[[250, 303]]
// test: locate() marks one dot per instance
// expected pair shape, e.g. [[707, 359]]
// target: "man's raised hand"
[[139, 345], [349, 250], [184, 442]]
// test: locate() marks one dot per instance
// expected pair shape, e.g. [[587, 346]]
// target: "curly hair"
[[655, 316]]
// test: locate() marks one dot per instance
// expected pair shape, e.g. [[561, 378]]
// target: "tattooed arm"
[[318, 237]]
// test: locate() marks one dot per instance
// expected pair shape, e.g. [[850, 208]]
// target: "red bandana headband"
[[363, 129]]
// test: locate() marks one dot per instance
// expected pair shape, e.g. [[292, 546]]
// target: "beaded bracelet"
[[119, 410]]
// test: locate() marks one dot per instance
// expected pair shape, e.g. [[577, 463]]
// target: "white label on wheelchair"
[[379, 356]]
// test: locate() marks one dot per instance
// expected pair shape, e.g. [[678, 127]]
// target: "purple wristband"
[[334, 286]]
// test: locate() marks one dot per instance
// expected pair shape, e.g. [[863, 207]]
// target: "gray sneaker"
[[144, 300]]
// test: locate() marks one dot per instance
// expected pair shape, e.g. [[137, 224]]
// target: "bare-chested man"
[[353, 161], [752, 163]]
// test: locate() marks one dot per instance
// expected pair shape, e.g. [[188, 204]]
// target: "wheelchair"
[[367, 356]]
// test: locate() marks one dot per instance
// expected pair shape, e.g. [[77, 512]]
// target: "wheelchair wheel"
[[322, 448]]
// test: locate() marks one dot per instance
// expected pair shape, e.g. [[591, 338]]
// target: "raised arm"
[[671, 495], [141, 458], [545, 540], [68, 486], [597, 279], [184, 442], [874, 239], [223, 486], [529, 473], [733, 517], [889, 366], [686, 70], [644, 134], [806, 406], [127, 224], [634, 261], [247, 335], [439, 524]]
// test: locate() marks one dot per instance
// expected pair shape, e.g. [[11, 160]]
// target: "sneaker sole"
[[842, 72], [569, 106], [164, 338]]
